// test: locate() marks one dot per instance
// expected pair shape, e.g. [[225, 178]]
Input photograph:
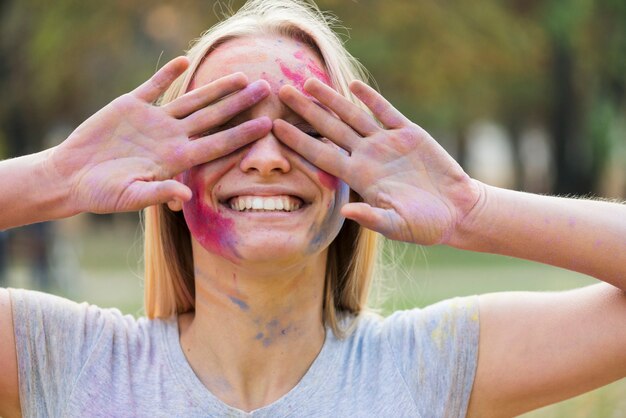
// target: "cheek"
[[213, 231], [329, 181], [324, 232]]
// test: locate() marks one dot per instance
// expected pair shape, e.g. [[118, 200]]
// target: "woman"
[[258, 258]]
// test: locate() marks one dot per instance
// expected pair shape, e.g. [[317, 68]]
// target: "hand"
[[124, 157], [412, 190]]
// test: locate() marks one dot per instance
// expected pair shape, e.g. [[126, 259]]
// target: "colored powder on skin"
[[327, 180], [297, 77], [213, 231], [243, 305], [312, 67], [318, 72], [332, 222]]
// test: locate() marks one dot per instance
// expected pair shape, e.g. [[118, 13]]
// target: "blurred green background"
[[525, 94]]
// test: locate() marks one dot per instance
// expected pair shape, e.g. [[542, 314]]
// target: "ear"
[[176, 205]]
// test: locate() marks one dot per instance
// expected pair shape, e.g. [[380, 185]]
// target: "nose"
[[265, 156]]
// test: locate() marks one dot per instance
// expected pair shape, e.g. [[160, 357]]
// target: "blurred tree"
[[520, 62], [443, 63], [64, 60]]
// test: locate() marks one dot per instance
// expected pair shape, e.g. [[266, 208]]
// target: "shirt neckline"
[[304, 389]]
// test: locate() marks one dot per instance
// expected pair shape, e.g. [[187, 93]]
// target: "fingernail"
[[259, 88]]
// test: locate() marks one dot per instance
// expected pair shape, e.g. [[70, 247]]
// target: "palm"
[[412, 189], [125, 156]]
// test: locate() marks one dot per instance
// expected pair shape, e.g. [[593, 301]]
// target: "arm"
[[123, 158], [9, 391], [535, 348], [581, 235]]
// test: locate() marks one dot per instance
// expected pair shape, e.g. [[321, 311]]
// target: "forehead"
[[278, 60]]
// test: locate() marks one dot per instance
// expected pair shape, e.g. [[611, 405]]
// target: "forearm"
[[28, 192], [577, 234]]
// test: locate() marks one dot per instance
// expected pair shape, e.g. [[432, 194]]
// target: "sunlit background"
[[525, 94]]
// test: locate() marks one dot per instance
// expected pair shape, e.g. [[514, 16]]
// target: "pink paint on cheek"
[[327, 180], [213, 231]]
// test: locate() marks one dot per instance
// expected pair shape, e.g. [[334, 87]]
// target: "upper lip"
[[264, 191]]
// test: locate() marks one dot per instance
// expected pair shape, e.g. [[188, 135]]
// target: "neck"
[[255, 330]]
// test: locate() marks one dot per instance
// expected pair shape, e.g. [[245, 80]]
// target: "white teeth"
[[265, 203], [268, 204]]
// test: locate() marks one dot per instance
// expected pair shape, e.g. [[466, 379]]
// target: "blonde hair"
[[169, 273]]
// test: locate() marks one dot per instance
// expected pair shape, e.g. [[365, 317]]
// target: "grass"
[[104, 269]]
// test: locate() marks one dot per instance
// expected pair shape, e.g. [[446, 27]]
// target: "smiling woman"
[[291, 54], [266, 172]]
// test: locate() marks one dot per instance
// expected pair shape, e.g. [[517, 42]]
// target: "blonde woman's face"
[[264, 202]]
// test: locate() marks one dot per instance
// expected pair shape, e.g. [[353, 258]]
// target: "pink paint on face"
[[297, 77], [213, 231], [316, 71], [327, 180]]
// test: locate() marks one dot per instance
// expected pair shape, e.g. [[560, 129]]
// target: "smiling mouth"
[[281, 203]]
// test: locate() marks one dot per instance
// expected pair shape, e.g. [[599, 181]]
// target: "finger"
[[203, 96], [325, 123], [323, 156], [354, 116], [142, 194], [161, 80], [380, 107], [208, 148], [213, 116], [368, 216]]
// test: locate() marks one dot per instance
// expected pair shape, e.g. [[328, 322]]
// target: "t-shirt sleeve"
[[54, 338], [436, 351]]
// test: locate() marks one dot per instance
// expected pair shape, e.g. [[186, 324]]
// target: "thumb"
[[143, 194], [161, 80], [376, 219]]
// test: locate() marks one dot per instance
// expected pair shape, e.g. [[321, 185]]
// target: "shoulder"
[[62, 345], [452, 318], [421, 360]]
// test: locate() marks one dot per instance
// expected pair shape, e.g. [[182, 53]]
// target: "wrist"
[[470, 231], [54, 187]]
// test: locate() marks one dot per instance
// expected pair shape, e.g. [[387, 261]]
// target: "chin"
[[275, 250]]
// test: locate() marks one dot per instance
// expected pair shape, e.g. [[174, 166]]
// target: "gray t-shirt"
[[79, 360]]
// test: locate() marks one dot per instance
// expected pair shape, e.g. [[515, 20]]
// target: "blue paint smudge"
[[243, 305]]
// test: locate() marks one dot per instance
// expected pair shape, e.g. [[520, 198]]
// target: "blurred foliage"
[[560, 65]]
